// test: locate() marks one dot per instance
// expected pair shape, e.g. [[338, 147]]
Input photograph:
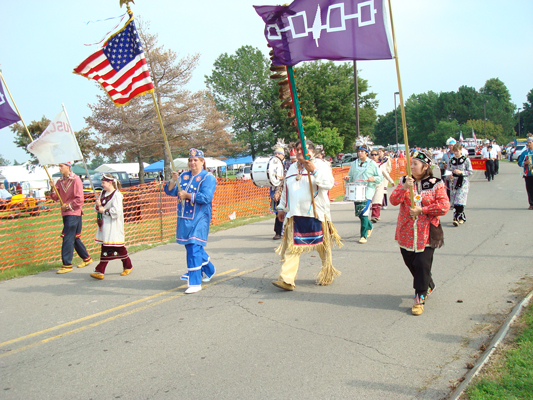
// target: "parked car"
[[244, 173], [517, 151], [123, 177], [346, 161]]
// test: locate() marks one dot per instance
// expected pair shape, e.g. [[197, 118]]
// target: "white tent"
[[34, 182], [130, 168], [210, 162]]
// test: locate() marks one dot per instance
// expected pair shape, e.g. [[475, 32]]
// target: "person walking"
[[70, 188], [460, 169], [363, 169], [197, 189], [418, 230], [489, 154], [525, 160], [306, 230], [379, 198], [110, 233], [275, 192]]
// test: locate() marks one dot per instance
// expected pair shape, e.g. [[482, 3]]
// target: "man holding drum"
[[365, 173]]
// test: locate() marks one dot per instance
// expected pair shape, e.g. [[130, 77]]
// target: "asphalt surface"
[[139, 337]]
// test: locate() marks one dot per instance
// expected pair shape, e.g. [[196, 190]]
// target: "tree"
[[500, 110], [384, 131], [329, 138], [3, 161], [87, 143], [327, 93], [241, 88], [527, 115], [420, 114], [443, 131], [133, 131], [494, 131], [96, 162]]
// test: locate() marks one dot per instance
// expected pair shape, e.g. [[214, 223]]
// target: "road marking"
[[112, 310], [94, 324]]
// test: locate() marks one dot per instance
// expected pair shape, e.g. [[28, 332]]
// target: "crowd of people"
[[302, 206]]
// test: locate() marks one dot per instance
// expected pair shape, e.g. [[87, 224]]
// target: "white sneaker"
[[362, 240], [206, 278], [193, 289]]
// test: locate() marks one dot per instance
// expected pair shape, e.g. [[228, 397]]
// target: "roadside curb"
[[491, 348]]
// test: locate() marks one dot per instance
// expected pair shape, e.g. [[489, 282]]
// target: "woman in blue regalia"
[[196, 190]]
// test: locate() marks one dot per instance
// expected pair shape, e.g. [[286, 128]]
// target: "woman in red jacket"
[[415, 223]]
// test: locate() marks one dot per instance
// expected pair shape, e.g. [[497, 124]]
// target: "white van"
[[244, 173]]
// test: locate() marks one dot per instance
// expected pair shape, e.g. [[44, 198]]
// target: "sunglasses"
[[373, 154]]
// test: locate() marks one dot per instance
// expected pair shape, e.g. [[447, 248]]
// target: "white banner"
[[57, 144]]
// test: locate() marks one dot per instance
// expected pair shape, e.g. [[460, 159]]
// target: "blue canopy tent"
[[239, 160], [157, 166]]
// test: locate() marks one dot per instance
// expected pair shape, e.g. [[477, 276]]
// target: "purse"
[[436, 236]]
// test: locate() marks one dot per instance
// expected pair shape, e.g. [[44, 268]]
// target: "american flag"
[[120, 66]]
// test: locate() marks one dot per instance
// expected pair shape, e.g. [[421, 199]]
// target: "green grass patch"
[[239, 222], [511, 375]]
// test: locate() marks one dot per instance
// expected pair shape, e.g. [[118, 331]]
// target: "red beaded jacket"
[[430, 195]]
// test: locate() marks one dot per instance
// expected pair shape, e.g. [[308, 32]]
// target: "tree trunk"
[[167, 170], [141, 168]]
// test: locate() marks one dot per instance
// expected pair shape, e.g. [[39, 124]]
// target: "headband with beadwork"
[[420, 155], [196, 153]]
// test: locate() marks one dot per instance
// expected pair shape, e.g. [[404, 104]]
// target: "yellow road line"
[[101, 313], [82, 328]]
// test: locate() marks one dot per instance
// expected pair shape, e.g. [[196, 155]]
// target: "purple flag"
[[327, 29], [7, 115]]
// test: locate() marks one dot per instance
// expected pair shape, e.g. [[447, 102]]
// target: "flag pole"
[[29, 134], [167, 146], [77, 144], [402, 108], [300, 127]]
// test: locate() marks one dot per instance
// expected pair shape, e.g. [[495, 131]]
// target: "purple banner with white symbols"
[[327, 29]]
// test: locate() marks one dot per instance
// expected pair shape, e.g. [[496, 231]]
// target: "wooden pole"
[[29, 135], [402, 108], [297, 112], [356, 89], [82, 157]]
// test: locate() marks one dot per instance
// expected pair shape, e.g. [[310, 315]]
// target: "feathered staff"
[[288, 94]]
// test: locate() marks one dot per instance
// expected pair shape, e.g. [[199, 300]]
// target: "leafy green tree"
[[443, 131], [327, 92], [527, 115], [500, 110], [3, 161], [384, 130], [240, 86], [96, 162], [494, 131], [420, 113], [329, 138]]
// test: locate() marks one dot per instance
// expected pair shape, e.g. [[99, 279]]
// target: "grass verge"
[[510, 373], [35, 268]]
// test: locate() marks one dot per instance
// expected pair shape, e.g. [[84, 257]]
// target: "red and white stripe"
[[122, 86]]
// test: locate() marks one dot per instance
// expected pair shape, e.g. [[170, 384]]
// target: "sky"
[[442, 45]]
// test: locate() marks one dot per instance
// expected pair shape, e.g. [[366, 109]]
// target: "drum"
[[267, 171], [355, 191]]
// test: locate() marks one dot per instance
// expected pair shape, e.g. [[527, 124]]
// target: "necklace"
[[300, 168]]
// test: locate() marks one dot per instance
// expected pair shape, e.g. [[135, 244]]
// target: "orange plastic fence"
[[30, 232]]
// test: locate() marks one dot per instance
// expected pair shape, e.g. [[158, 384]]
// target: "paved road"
[[139, 337]]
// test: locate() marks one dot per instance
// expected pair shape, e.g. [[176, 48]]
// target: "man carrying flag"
[[70, 189], [55, 145]]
